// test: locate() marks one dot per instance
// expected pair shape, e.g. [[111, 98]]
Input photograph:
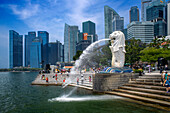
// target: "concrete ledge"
[[109, 81]]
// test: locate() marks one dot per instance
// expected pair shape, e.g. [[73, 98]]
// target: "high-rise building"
[[134, 14], [113, 21], [118, 23], [125, 33], [44, 35], [155, 12], [62, 53], [144, 4], [28, 42], [141, 30], [89, 27], [55, 52], [15, 49], [80, 36], [82, 45], [168, 18], [70, 40], [36, 53]]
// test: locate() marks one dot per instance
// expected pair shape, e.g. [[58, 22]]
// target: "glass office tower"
[[44, 35], [156, 13], [118, 23], [134, 14], [55, 52], [36, 53], [28, 42], [89, 27], [70, 40], [15, 49], [141, 30], [144, 4], [113, 21]]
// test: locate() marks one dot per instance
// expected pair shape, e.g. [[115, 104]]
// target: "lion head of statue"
[[117, 40]]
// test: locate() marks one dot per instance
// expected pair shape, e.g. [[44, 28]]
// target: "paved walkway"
[[60, 78]]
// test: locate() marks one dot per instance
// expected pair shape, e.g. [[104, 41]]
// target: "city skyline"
[[19, 16], [28, 15]]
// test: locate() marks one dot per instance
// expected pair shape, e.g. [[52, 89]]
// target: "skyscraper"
[[118, 23], [125, 33], [155, 12], [134, 14], [62, 53], [89, 27], [141, 30], [55, 52], [36, 53], [144, 4], [113, 21], [28, 42], [44, 35], [168, 18], [70, 40], [15, 49]]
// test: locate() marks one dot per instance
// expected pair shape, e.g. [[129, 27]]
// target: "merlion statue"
[[117, 48]]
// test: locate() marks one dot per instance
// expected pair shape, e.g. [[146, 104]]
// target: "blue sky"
[[51, 15]]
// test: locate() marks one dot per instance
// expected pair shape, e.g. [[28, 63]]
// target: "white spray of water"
[[65, 96], [84, 55], [75, 70], [85, 98], [81, 61]]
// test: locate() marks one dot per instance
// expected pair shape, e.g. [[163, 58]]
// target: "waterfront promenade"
[[146, 89]]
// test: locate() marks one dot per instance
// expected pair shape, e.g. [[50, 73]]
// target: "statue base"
[[109, 81]]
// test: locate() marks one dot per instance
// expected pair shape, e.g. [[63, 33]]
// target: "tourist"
[[166, 75], [64, 80], [77, 80], [89, 78], [47, 79], [166, 67], [56, 79], [43, 77], [167, 84], [82, 79], [162, 77], [161, 69], [149, 68]]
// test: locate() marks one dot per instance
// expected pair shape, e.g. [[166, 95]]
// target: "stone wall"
[[108, 81]]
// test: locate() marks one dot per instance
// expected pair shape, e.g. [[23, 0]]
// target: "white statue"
[[117, 48]]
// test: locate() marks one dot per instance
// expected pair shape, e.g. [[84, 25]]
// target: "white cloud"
[[26, 12], [79, 12]]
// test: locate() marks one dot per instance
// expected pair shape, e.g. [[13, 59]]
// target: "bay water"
[[17, 95]]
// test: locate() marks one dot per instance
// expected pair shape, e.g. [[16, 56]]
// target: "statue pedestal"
[[109, 81]]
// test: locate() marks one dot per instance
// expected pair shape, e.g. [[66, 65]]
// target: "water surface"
[[17, 95]]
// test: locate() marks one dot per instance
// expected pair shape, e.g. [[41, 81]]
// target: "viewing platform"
[[145, 89]]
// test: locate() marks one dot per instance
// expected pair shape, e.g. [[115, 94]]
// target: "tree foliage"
[[78, 53], [133, 48], [155, 50]]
